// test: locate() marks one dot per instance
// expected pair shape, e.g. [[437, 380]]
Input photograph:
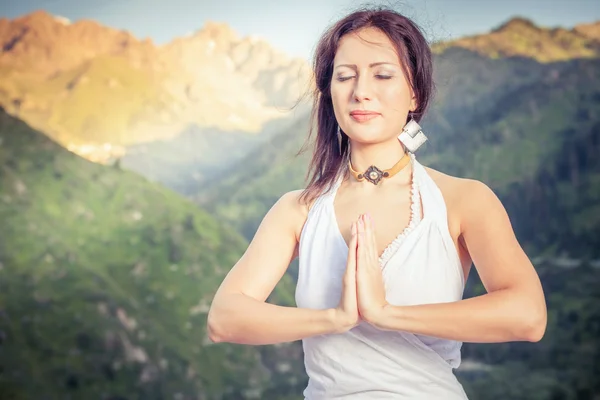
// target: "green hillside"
[[537, 147], [105, 283]]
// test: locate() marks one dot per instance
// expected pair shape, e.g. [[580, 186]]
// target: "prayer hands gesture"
[[363, 290]]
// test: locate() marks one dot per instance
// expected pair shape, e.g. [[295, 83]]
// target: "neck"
[[382, 155]]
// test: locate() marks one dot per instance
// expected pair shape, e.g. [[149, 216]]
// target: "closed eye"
[[345, 78]]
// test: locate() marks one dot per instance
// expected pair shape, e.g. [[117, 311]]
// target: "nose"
[[362, 89]]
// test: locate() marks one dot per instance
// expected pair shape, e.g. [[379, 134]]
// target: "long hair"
[[415, 56]]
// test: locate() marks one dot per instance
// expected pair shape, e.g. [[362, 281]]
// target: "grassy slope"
[[82, 244]]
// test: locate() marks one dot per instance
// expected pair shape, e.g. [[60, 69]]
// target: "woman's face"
[[371, 96]]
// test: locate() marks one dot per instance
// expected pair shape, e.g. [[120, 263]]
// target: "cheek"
[[338, 98], [338, 93], [396, 97]]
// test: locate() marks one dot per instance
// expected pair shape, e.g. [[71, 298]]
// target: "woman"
[[384, 243]]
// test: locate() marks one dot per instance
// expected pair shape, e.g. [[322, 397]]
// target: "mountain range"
[[96, 90]]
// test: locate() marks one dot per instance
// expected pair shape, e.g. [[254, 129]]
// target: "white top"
[[420, 266]]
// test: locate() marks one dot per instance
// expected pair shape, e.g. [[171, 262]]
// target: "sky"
[[294, 26]]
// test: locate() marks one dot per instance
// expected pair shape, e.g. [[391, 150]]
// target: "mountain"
[[520, 37], [106, 281], [197, 157], [42, 44], [459, 95], [242, 196], [536, 146], [97, 90]]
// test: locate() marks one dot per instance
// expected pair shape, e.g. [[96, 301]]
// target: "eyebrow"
[[353, 66]]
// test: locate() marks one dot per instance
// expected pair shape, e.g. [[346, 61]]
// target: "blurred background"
[[142, 142]]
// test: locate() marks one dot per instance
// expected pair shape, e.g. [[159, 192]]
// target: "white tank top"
[[420, 266]]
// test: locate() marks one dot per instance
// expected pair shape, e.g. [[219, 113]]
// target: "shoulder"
[[469, 198], [292, 202], [465, 189], [293, 209]]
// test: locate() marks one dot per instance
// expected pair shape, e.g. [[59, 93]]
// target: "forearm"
[[499, 316], [241, 319]]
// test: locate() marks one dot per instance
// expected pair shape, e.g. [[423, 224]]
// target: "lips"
[[361, 115]]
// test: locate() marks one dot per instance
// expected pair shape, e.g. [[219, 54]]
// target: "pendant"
[[373, 175]]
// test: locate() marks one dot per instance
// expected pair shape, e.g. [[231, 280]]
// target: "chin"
[[363, 139], [366, 135]]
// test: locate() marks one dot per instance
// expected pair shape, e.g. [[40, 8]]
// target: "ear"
[[413, 103]]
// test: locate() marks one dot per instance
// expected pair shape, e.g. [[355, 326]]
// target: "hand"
[[371, 289], [346, 313]]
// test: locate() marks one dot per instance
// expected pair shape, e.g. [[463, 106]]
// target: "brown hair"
[[413, 49]]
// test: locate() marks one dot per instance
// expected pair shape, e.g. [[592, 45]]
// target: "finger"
[[362, 242], [371, 252], [350, 273], [374, 250], [352, 245]]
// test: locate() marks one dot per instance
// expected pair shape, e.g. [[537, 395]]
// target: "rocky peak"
[[218, 31], [520, 37], [42, 43], [517, 25], [592, 30], [37, 17]]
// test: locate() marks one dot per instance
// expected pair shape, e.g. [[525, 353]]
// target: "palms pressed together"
[[363, 293]]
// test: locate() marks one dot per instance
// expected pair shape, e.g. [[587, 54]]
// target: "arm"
[[514, 308], [239, 313]]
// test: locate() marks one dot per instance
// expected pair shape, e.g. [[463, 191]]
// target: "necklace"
[[374, 174]]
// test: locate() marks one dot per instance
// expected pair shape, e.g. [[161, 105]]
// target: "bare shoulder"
[[295, 209], [458, 187], [465, 196], [293, 202]]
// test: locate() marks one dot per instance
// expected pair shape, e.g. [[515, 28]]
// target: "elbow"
[[224, 322], [535, 328], [213, 327]]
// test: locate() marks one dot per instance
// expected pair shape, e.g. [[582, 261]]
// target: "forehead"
[[366, 45]]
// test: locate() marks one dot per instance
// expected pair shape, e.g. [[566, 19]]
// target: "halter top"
[[421, 266]]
